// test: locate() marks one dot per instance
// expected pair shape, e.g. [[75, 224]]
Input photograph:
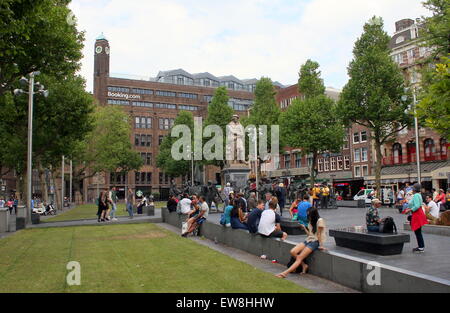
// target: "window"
[[287, 161], [165, 106], [143, 122], [187, 107], [142, 91], [357, 171], [165, 93], [364, 136], [333, 164], [310, 161], [118, 102], [399, 40], [320, 162], [143, 140], [118, 89], [149, 178], [160, 139], [356, 138], [327, 165], [346, 163], [148, 140], [165, 123], [137, 139], [143, 178], [137, 123], [298, 160], [148, 122], [161, 178], [142, 104], [148, 159], [429, 149], [364, 155], [340, 164], [365, 170], [357, 155], [187, 95], [137, 177], [346, 145], [443, 148]]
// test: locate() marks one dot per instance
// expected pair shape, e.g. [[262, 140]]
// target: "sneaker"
[[114, 219], [419, 250]]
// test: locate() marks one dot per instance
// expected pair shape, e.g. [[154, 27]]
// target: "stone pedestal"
[[237, 175], [4, 220]]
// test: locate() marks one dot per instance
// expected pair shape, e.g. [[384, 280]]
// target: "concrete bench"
[[374, 243], [431, 229], [290, 227]]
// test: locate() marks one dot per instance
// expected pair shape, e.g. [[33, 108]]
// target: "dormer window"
[[399, 40]]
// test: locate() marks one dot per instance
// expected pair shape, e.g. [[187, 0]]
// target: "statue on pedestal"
[[235, 142]]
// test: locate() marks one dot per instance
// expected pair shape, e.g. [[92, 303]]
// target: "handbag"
[[184, 227]]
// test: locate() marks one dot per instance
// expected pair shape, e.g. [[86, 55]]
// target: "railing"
[[411, 158]]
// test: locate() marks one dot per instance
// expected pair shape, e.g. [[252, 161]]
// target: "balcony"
[[411, 158]]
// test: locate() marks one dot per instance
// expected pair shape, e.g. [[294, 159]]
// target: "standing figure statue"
[[235, 150]]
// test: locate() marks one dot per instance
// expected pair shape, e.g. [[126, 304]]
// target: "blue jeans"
[[373, 229], [236, 224], [130, 209], [113, 210]]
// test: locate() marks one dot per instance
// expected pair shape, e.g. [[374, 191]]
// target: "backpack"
[[388, 226]]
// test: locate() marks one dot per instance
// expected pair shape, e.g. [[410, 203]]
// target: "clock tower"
[[101, 68]]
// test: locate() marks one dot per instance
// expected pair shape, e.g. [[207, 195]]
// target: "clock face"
[[98, 49], [107, 50]]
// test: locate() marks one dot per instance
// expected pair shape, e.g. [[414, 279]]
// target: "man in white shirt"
[[198, 219], [185, 204], [269, 224], [431, 209]]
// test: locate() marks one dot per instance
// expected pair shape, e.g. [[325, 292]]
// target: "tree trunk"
[[57, 193], [43, 183], [378, 167]]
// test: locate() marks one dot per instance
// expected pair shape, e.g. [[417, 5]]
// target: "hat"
[[281, 185], [375, 201]]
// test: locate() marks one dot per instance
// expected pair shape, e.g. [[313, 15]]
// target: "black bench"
[[374, 243], [291, 227]]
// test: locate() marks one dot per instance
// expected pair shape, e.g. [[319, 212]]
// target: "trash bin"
[[4, 220], [20, 223], [35, 218]]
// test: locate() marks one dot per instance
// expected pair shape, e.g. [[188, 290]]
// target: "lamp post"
[[31, 93], [416, 130]]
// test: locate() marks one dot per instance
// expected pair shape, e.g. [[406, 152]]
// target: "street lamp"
[[40, 90], [416, 130]]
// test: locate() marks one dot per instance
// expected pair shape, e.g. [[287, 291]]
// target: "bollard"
[[4, 220]]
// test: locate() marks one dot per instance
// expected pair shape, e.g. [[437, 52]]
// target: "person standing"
[[130, 199], [316, 196], [418, 218], [102, 206], [325, 191], [113, 201], [280, 193], [447, 200], [226, 192], [172, 203]]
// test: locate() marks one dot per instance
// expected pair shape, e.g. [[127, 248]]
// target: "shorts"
[[200, 221], [313, 245], [276, 234]]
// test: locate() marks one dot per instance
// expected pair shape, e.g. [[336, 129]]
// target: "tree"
[[165, 160], [37, 35], [264, 112], [434, 107], [107, 148], [373, 95], [435, 32], [59, 122], [220, 114], [312, 123]]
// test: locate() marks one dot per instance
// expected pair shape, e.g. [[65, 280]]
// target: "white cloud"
[[250, 38]]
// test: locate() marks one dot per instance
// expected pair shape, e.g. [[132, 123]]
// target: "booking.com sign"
[[234, 139]]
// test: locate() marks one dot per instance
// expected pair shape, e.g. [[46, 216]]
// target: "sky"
[[244, 38]]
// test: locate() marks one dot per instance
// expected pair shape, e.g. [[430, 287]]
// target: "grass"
[[125, 258], [89, 211]]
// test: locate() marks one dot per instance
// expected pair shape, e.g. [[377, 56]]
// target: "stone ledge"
[[348, 271], [431, 229]]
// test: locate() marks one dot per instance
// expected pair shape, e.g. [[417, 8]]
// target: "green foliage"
[[373, 95], [220, 114], [312, 124], [107, 147], [434, 107], [436, 30], [35, 35], [164, 159], [265, 111]]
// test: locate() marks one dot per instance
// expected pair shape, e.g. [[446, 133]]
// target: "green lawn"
[[89, 211], [125, 258]]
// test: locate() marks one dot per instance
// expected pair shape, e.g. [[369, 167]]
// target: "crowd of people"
[[11, 204], [261, 217]]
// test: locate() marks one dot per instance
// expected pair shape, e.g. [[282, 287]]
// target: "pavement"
[[310, 282], [435, 261]]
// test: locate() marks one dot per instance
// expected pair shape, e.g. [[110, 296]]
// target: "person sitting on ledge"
[[254, 217], [238, 219], [316, 237], [269, 225], [373, 219], [199, 217]]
